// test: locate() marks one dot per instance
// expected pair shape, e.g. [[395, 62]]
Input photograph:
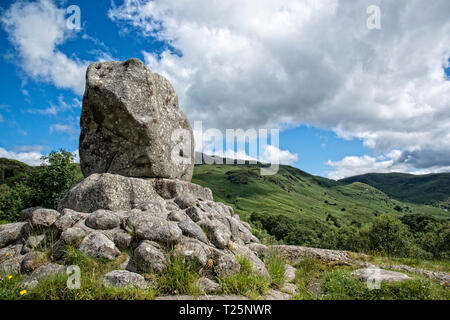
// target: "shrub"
[[53, 179]]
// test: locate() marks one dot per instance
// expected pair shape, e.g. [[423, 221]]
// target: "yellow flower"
[[9, 277], [23, 292]]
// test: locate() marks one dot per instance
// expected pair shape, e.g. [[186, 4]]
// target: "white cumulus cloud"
[[31, 157], [36, 29], [259, 63]]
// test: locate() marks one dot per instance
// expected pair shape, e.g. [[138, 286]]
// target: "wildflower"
[[9, 277], [23, 292]]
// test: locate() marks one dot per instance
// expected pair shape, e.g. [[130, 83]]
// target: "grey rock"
[[375, 274], [12, 232], [196, 214], [156, 208], [192, 250], [442, 277], [171, 206], [36, 241], [216, 232], [239, 231], [259, 249], [207, 285], [124, 279], [177, 216], [43, 217], [68, 218], [11, 265], [128, 118], [225, 264], [10, 251], [120, 238], [149, 257], [295, 254], [257, 265], [31, 261], [109, 192], [277, 295], [185, 201], [25, 214], [289, 273], [315, 287], [73, 235], [289, 288], [103, 220], [49, 270], [170, 189], [97, 245], [191, 229], [148, 227]]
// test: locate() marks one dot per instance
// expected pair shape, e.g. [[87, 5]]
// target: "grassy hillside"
[[308, 199], [12, 171], [432, 189]]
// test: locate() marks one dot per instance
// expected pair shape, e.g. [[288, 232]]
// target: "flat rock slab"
[[374, 274], [295, 254], [442, 277]]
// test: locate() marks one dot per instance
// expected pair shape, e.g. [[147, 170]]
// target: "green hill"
[[431, 189], [317, 203], [12, 171]]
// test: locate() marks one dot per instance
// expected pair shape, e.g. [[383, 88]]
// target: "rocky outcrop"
[[376, 274], [295, 254], [131, 124]]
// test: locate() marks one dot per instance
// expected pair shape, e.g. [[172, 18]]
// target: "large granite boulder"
[[115, 192], [131, 124]]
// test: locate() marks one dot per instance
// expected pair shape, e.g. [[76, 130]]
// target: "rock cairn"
[[134, 199]]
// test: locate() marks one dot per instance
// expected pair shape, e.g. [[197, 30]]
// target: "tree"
[[53, 179], [389, 235]]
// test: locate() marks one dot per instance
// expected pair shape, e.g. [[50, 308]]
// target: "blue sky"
[[338, 114]]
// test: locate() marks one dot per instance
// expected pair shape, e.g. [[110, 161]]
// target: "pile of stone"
[[136, 198]]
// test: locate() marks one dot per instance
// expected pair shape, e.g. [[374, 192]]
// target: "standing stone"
[[128, 120]]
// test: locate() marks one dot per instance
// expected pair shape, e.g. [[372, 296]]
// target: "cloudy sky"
[[348, 99]]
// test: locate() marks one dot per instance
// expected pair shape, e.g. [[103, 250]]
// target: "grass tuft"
[[276, 266]]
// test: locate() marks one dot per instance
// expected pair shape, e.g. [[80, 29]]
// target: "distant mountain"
[[426, 189]]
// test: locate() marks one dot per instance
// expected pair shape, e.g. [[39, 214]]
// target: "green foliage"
[[276, 266], [246, 282], [286, 229], [23, 186], [438, 242], [179, 278], [10, 288], [389, 235], [12, 201], [53, 179], [340, 285], [386, 235]]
